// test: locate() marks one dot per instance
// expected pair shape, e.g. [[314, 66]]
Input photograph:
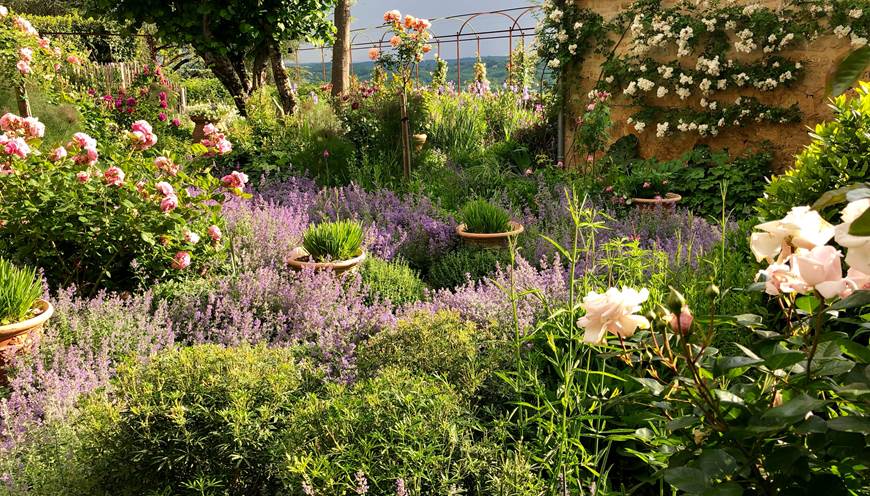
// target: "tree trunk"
[[238, 62], [23, 100], [341, 49], [261, 61], [223, 70], [282, 80], [406, 137]]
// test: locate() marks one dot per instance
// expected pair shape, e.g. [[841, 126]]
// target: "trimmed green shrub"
[[102, 47], [341, 240], [20, 287], [482, 217], [836, 158], [206, 90], [394, 281], [439, 344], [391, 427], [199, 420], [458, 266]]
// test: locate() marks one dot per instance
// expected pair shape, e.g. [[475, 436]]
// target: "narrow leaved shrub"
[[394, 281], [340, 240], [20, 287], [482, 217]]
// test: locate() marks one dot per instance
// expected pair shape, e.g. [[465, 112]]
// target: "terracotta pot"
[[18, 338], [300, 259], [199, 122], [669, 202], [419, 141], [489, 240]]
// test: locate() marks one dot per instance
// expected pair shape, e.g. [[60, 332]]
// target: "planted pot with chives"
[[23, 312], [485, 224], [335, 246]]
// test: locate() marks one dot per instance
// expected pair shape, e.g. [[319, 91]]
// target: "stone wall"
[[819, 58]]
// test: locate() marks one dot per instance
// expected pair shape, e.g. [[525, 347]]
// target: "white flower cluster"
[[666, 71], [856, 13], [842, 31], [745, 42], [858, 41], [686, 34], [710, 66], [645, 84]]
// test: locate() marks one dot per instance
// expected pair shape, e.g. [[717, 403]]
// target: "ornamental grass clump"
[[20, 287], [482, 217], [341, 240]]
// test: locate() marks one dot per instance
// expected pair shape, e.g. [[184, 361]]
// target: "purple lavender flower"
[[400, 487], [362, 484]]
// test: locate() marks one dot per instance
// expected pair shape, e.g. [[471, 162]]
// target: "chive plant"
[[19, 290], [482, 217], [341, 240]]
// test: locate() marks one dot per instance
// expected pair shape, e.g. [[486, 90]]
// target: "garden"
[[219, 276]]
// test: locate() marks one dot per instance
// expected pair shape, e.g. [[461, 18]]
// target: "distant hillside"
[[496, 70]]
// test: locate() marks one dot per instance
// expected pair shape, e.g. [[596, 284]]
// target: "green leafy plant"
[[19, 290], [647, 179], [392, 280], [482, 217], [849, 71], [340, 240], [463, 264]]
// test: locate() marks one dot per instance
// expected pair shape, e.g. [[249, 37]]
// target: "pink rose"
[[168, 203], [23, 67], [44, 43], [392, 16], [395, 41], [83, 177], [209, 129], [176, 122], [161, 117], [83, 141], [235, 180], [114, 176], [223, 147], [374, 53], [646, 185], [72, 59], [11, 122], [25, 54], [181, 260], [681, 323], [613, 311], [165, 188], [33, 128], [191, 237], [214, 232], [58, 153], [15, 146], [781, 279]]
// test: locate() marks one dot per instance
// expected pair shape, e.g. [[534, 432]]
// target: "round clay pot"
[[669, 202], [419, 141], [19, 337], [300, 260], [199, 122], [489, 240]]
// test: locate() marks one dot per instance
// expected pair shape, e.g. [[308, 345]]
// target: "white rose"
[[614, 311], [802, 227], [858, 254]]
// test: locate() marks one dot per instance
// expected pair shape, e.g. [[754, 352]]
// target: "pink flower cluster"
[[169, 202], [235, 180], [215, 142], [114, 176], [165, 164], [142, 135], [25, 27], [801, 261], [28, 128], [84, 148]]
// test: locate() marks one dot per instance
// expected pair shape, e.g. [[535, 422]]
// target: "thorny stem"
[[817, 331]]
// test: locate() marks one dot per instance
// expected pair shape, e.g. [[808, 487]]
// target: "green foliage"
[[393, 426], [19, 290], [703, 173], [480, 216], [206, 90], [835, 158], [458, 266], [96, 41], [440, 345], [203, 417], [393, 280], [849, 71], [340, 240]]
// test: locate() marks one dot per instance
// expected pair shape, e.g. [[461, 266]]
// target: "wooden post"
[[23, 101]]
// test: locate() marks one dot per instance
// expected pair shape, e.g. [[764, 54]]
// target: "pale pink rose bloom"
[[613, 311], [10, 122], [142, 126], [802, 227], [44, 43], [83, 177], [214, 232], [140, 188], [25, 54], [58, 153], [165, 188], [858, 247], [781, 279], [392, 16], [223, 147], [395, 41], [23, 67], [114, 176], [374, 53], [861, 280], [72, 59], [169, 203], [33, 128], [3, 11], [181, 260], [191, 237], [209, 129], [410, 21], [818, 265]]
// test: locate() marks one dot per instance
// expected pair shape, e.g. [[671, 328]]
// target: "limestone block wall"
[[819, 57]]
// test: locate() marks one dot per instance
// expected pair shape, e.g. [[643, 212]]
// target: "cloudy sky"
[[368, 14]]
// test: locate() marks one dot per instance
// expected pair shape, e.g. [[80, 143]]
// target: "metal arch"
[[516, 25], [458, 43], [352, 41]]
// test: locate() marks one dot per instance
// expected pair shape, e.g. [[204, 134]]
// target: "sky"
[[368, 14]]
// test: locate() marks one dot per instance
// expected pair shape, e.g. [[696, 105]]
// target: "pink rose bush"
[[215, 142], [800, 260]]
